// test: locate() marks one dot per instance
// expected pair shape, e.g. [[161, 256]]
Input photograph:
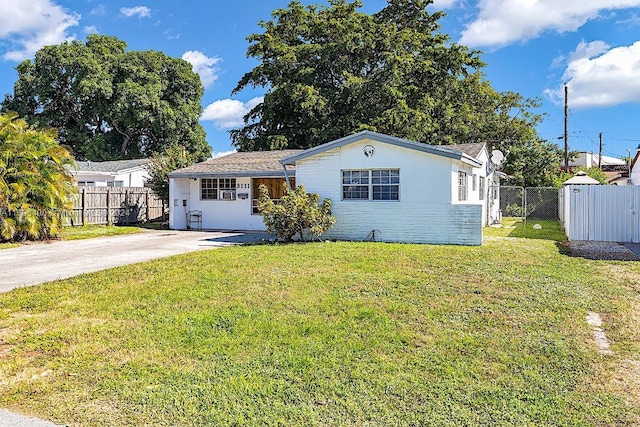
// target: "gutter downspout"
[[286, 176]]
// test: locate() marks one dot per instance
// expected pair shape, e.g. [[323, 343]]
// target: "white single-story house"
[[118, 173], [382, 187]]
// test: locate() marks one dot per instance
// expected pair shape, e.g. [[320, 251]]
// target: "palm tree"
[[36, 190]]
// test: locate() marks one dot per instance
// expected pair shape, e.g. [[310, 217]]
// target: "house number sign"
[[369, 151]]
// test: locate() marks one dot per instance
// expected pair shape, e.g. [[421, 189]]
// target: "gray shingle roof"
[[110, 167], [471, 149], [255, 163]]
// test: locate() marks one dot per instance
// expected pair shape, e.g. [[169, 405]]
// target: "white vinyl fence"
[[601, 212]]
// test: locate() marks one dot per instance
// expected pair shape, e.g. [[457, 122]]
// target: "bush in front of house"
[[296, 212]]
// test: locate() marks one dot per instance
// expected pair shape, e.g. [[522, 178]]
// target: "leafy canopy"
[[296, 212], [333, 70], [36, 189], [107, 103]]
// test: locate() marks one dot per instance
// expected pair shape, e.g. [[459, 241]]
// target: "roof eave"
[[430, 149], [232, 174]]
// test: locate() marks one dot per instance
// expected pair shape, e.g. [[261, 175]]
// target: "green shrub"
[[36, 189], [296, 212]]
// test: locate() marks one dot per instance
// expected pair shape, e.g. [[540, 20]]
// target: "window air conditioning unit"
[[227, 195]]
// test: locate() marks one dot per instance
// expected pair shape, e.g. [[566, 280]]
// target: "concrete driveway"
[[43, 262]]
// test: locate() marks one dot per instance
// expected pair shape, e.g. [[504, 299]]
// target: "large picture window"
[[378, 184]]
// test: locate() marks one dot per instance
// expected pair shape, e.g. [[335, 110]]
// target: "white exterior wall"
[[135, 178], [425, 212], [216, 214]]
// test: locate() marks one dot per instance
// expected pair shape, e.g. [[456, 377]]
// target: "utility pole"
[[566, 129], [600, 152]]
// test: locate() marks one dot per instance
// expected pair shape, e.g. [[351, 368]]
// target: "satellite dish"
[[497, 157]]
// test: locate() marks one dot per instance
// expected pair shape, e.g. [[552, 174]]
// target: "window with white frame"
[[218, 188], [482, 187], [209, 189], [227, 188], [377, 184], [474, 182], [462, 186]]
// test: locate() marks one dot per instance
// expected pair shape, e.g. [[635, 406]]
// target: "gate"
[[529, 202]]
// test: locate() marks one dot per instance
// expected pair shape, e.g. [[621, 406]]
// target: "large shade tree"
[[36, 188], [108, 103], [333, 70]]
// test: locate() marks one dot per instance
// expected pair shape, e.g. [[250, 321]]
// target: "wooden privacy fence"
[[116, 205]]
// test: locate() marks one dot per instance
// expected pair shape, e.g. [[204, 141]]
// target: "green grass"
[[515, 227], [93, 231], [8, 245], [345, 334]]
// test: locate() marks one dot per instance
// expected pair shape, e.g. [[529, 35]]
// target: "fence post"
[[127, 211], [524, 206], [84, 206], [108, 206], [148, 209]]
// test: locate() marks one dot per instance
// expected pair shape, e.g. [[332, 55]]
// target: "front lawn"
[[93, 231], [329, 334]]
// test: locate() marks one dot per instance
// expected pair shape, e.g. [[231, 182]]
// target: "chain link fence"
[[529, 202]]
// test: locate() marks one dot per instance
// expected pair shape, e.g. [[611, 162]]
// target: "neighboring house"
[[382, 187], [617, 178], [118, 173], [591, 160]]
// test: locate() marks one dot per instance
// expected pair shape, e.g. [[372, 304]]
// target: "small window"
[[355, 185], [115, 183], [482, 187], [474, 182], [462, 186], [86, 183], [208, 189], [227, 188], [386, 184]]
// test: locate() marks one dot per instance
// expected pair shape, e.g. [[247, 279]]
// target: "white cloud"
[[203, 65], [91, 29], [588, 50], [28, 25], [139, 11], [503, 22], [444, 4], [99, 10], [217, 154], [601, 79], [229, 113]]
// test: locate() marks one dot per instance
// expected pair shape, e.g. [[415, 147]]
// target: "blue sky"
[[531, 46]]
